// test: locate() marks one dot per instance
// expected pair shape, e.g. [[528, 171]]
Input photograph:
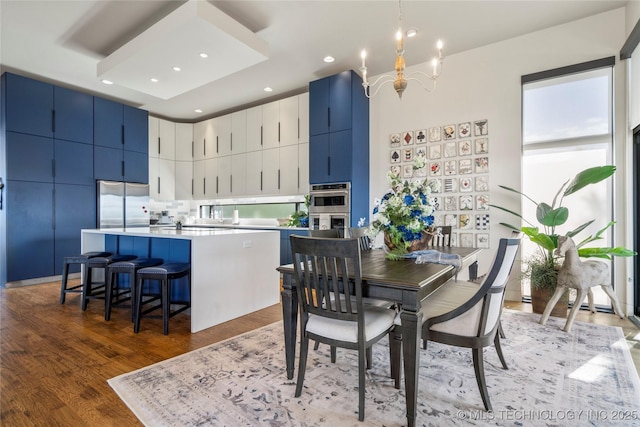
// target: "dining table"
[[403, 282]]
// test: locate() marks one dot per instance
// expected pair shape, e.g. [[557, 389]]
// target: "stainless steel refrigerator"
[[122, 204]]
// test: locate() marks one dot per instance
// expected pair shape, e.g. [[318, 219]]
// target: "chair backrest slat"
[[442, 236]]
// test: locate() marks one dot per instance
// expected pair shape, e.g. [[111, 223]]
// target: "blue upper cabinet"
[[330, 103], [136, 129], [29, 106], [73, 119], [29, 157], [107, 123]]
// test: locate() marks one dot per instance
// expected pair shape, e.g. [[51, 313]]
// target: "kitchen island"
[[233, 272]]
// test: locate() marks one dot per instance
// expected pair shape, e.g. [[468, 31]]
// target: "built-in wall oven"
[[330, 206]]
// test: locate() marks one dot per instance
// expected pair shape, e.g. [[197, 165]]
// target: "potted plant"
[[300, 218], [542, 267]]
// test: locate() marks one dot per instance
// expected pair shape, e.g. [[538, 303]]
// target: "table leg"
[[411, 332], [290, 321]]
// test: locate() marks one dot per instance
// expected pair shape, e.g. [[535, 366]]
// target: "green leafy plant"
[[300, 218], [550, 216]]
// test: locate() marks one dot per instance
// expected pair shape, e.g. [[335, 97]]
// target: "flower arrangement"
[[405, 212]]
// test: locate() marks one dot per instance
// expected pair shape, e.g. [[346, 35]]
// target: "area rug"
[[585, 377]]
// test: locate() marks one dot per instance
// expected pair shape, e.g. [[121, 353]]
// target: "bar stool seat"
[[76, 259], [96, 290], [165, 273], [113, 289]]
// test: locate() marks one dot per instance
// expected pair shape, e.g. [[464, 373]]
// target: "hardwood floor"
[[56, 359]]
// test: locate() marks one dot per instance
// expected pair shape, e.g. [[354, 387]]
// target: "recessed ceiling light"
[[329, 59], [198, 110], [154, 80], [176, 68], [107, 82], [412, 32], [204, 55], [268, 89]]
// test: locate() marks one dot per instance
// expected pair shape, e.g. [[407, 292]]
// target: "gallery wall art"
[[457, 155]]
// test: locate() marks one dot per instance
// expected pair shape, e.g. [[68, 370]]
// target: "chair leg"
[[369, 355], [63, 284], [362, 367], [316, 345], [302, 366], [496, 342], [86, 287], [395, 358], [501, 331], [333, 354], [478, 366], [108, 294], [165, 306], [138, 304]]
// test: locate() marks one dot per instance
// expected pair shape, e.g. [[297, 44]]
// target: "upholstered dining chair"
[[465, 314], [320, 264]]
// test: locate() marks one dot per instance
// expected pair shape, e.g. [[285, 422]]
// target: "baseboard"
[[39, 281]]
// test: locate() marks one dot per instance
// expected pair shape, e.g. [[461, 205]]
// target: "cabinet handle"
[[260, 180], [260, 134], [53, 168], [231, 183], [217, 185], [123, 168], [278, 131], [329, 117], [298, 177], [158, 145], [158, 185], [204, 185], [231, 141], [192, 149], [329, 166], [278, 179], [122, 134], [53, 208], [205, 147], [53, 121], [217, 144], [191, 186], [298, 127]]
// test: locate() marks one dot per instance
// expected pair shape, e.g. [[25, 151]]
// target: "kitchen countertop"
[[171, 232], [242, 226]]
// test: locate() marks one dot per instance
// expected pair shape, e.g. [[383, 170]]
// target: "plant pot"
[[541, 296], [416, 245]]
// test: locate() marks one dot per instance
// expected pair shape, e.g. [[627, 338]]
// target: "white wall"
[[484, 83]]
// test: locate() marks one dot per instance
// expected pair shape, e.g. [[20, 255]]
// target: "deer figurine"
[[582, 276]]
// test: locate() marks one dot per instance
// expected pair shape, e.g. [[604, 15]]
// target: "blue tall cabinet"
[[339, 137], [47, 167]]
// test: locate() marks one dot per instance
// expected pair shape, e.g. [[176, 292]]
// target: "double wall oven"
[[330, 206]]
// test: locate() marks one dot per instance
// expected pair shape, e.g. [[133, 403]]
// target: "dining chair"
[[332, 233], [442, 236], [324, 267], [463, 314], [360, 233]]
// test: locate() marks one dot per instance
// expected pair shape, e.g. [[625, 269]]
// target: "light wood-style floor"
[[56, 359]]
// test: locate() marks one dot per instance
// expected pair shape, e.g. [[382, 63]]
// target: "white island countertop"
[[233, 271]]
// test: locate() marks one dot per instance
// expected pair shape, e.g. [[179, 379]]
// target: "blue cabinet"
[[339, 137], [73, 115], [29, 157], [121, 142]]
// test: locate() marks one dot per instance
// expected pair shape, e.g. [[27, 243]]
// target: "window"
[[567, 127]]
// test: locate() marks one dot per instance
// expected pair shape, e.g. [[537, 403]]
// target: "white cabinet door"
[[270, 124], [167, 139], [199, 179], [184, 180], [254, 129], [270, 171], [210, 178], [303, 117], [184, 142], [239, 132], [161, 179], [153, 137], [288, 171], [288, 121], [254, 173], [303, 168], [224, 176], [204, 140], [223, 135], [239, 174]]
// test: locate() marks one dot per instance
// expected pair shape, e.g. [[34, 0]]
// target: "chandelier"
[[400, 80]]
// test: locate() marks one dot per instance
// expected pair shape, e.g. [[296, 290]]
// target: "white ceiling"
[[63, 41]]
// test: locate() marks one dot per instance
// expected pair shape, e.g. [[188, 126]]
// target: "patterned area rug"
[[585, 377]]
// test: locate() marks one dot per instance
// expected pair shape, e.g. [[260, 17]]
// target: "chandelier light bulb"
[[439, 45]]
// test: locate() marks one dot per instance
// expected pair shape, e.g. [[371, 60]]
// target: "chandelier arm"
[[382, 80], [415, 79]]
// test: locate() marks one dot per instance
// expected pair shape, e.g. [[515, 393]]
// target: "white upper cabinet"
[[254, 173], [184, 142], [184, 180], [223, 135], [303, 117], [303, 168], [270, 125], [288, 121], [239, 132], [288, 170], [254, 129], [204, 140], [162, 179], [162, 139]]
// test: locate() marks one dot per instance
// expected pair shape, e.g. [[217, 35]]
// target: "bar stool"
[[96, 290], [76, 259], [131, 268], [165, 273]]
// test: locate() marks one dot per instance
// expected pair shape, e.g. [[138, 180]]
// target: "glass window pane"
[[567, 107]]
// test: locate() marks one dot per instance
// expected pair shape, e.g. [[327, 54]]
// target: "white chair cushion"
[[376, 319]]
